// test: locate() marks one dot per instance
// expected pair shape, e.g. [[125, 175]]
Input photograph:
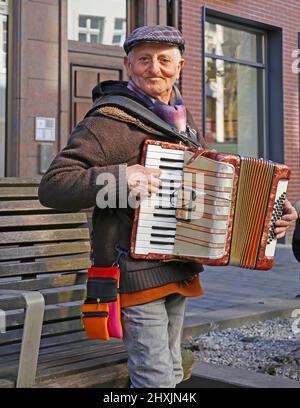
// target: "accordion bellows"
[[213, 208]]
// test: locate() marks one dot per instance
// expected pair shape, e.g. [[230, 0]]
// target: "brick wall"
[[281, 13]]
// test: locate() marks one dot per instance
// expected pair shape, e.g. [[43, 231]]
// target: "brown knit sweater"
[[107, 142]]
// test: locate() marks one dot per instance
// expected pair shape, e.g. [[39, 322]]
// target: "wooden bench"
[[44, 256]]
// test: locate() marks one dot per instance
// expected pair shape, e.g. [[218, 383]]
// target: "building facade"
[[241, 78]]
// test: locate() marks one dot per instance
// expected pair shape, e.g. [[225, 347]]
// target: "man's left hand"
[[289, 217]]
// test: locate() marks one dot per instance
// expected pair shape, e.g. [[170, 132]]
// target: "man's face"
[[154, 68]]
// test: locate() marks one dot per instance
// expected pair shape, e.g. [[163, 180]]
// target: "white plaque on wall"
[[44, 129]]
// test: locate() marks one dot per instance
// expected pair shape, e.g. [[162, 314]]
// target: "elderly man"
[[110, 140]]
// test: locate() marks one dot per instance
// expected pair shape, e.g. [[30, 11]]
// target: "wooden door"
[[84, 79], [90, 64]]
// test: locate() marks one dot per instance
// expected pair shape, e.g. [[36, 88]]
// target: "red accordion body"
[[213, 208]]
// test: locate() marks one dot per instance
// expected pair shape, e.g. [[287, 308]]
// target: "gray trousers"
[[152, 337]]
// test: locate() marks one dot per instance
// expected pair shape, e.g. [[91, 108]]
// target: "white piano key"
[[156, 219], [147, 250], [157, 203], [168, 187], [155, 247], [151, 231], [169, 175], [162, 211]]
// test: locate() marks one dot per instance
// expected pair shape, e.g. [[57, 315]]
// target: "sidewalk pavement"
[[232, 292]]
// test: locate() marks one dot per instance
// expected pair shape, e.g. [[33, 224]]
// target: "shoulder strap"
[[142, 113]]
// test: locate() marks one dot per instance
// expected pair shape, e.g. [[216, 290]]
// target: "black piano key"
[[167, 159], [162, 236], [169, 168], [155, 227], [163, 215], [161, 207], [160, 243]]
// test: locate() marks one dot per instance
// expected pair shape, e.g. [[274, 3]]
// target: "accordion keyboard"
[[157, 222]]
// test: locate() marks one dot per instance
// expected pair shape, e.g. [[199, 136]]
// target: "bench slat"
[[43, 250], [48, 329], [22, 206], [114, 376], [66, 358], [41, 220], [47, 266], [18, 192], [66, 296], [19, 181], [66, 313], [92, 362], [21, 237], [7, 384], [48, 344], [69, 358], [64, 351], [67, 279]]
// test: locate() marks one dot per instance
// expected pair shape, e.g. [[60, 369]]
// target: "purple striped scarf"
[[174, 113]]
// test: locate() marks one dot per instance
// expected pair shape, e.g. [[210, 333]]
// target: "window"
[[116, 39], [119, 23], [234, 88], [90, 29], [119, 32], [97, 22], [3, 41]]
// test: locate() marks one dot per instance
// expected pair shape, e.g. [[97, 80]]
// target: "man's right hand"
[[143, 181]]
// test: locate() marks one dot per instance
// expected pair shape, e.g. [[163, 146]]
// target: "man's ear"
[[127, 64], [181, 63]]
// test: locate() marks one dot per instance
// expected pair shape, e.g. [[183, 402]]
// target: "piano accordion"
[[212, 208]]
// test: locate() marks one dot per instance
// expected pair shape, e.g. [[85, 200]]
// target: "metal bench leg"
[[30, 346], [31, 339]]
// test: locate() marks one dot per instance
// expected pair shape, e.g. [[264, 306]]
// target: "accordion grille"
[[255, 181]]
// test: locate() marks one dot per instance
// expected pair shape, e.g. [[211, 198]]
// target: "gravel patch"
[[269, 347]]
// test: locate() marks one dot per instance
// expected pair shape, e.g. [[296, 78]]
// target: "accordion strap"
[[142, 113]]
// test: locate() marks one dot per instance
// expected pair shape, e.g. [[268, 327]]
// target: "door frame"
[[5, 11]]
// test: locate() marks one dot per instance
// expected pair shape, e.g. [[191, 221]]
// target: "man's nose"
[[154, 66]]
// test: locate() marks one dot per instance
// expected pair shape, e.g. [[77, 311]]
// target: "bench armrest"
[[35, 306]]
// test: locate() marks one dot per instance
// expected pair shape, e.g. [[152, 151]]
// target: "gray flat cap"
[[156, 34]]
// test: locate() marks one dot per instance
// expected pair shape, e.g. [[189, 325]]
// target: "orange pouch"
[[101, 313]]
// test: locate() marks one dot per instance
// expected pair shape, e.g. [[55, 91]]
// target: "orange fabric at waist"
[[144, 296]]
